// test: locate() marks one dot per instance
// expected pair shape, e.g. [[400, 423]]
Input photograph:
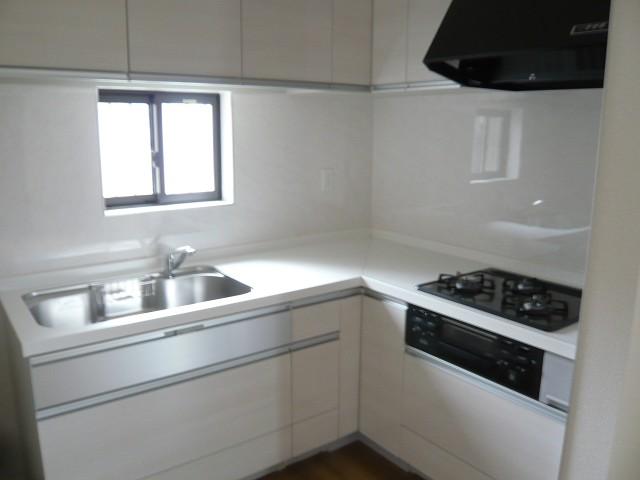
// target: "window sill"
[[120, 212]]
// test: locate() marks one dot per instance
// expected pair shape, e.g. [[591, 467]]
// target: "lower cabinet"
[[239, 422], [381, 372], [145, 434], [456, 428], [240, 461], [227, 425], [435, 462], [325, 376]]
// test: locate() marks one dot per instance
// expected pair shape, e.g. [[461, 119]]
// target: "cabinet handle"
[[557, 403], [182, 331]]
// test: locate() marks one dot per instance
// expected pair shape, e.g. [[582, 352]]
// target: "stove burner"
[[538, 305], [472, 284], [523, 286]]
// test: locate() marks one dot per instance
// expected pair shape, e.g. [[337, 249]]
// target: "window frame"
[[155, 100]]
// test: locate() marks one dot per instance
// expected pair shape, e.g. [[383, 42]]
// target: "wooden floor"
[[353, 462]]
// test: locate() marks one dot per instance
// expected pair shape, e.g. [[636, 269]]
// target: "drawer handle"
[[182, 331], [556, 403]]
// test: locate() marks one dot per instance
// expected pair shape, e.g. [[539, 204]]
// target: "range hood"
[[522, 44]]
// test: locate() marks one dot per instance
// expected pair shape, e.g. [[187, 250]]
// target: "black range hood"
[[522, 44]]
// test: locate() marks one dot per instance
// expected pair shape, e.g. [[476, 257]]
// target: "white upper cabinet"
[[287, 39], [425, 17], [69, 34], [324, 41], [352, 41], [402, 33], [390, 41], [187, 37]]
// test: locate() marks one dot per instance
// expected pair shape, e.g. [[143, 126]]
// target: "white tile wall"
[[425, 147], [51, 211]]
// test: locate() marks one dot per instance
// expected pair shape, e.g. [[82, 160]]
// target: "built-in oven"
[[510, 363]]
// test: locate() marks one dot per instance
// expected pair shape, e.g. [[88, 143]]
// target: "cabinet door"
[[350, 322], [390, 41], [287, 39], [315, 380], [352, 41], [315, 373], [381, 372], [64, 34], [498, 436], [425, 17], [154, 431], [323, 318], [189, 37]]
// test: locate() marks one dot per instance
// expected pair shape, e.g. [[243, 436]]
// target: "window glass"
[[188, 148], [125, 149]]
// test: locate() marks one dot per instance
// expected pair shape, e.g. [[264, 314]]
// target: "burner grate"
[[533, 302]]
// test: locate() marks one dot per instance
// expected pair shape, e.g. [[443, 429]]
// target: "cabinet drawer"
[[151, 432], [315, 432], [316, 320], [495, 434], [81, 377], [434, 462], [315, 380], [236, 462]]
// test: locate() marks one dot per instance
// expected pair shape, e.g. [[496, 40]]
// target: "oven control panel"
[[510, 363]]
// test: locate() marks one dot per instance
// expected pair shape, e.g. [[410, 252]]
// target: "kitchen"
[[348, 174]]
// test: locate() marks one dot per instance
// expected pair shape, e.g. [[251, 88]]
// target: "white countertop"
[[278, 276]]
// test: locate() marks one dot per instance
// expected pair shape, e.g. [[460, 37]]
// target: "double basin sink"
[[99, 302]]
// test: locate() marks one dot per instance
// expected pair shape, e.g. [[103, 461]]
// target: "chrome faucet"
[[175, 258]]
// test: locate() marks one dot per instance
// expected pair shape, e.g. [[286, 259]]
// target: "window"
[[159, 148]]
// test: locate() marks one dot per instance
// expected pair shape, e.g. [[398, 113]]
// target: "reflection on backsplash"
[[509, 174], [497, 141]]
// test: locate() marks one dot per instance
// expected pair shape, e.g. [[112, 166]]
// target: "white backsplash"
[[510, 174], [52, 209]]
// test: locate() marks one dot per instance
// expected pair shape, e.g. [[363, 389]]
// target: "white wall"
[[52, 210], [422, 161]]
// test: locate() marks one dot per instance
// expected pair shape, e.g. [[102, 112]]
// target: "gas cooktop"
[[536, 303]]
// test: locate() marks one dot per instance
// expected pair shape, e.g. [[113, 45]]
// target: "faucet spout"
[[176, 257]]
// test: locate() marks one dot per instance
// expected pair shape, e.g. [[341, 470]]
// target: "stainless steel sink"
[[100, 302]]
